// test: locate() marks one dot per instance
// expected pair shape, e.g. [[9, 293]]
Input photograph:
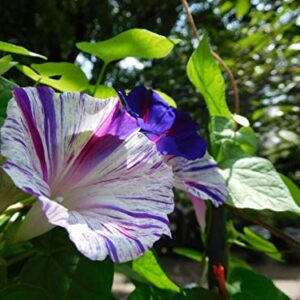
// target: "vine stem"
[[20, 257], [273, 230], [100, 77], [217, 58]]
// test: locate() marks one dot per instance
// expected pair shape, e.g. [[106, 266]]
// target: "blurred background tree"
[[257, 39]]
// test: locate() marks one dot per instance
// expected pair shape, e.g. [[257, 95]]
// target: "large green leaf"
[[293, 188], [148, 267], [197, 294], [65, 77], [6, 87], [254, 183], [227, 142], [248, 285], [24, 292], [64, 273], [6, 63], [147, 292], [135, 42], [11, 48], [204, 72], [260, 244]]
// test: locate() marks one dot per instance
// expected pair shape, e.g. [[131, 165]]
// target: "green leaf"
[[6, 63], [252, 286], [247, 139], [236, 262], [148, 267], [91, 280], [138, 43], [167, 98], [197, 294], [104, 92], [189, 253], [9, 193], [242, 7], [24, 292], [254, 183], [11, 48], [3, 276], [293, 188], [146, 292], [66, 274], [6, 87], [204, 72], [227, 142], [260, 244], [64, 77]]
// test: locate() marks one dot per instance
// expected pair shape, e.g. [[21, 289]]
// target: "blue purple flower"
[[177, 139]]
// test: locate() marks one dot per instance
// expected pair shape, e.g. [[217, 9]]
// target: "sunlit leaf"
[[167, 98], [6, 63], [104, 92], [204, 72], [6, 87], [242, 7], [254, 183], [65, 77], [135, 42], [11, 48], [293, 188], [148, 267], [260, 244]]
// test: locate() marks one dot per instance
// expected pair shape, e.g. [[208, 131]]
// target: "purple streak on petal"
[[23, 102], [144, 199], [140, 215], [106, 138], [203, 188], [194, 169], [111, 249], [46, 96]]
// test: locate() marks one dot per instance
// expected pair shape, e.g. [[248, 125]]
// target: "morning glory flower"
[[177, 139], [92, 171]]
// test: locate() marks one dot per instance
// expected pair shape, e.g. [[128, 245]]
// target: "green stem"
[[20, 257], [100, 77], [216, 243]]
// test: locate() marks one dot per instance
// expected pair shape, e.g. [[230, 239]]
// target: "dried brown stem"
[[217, 57]]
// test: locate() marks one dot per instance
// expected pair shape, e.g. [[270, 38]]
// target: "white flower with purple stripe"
[[177, 139], [90, 168]]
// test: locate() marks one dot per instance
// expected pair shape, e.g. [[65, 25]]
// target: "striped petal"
[[199, 178], [200, 211], [92, 171]]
